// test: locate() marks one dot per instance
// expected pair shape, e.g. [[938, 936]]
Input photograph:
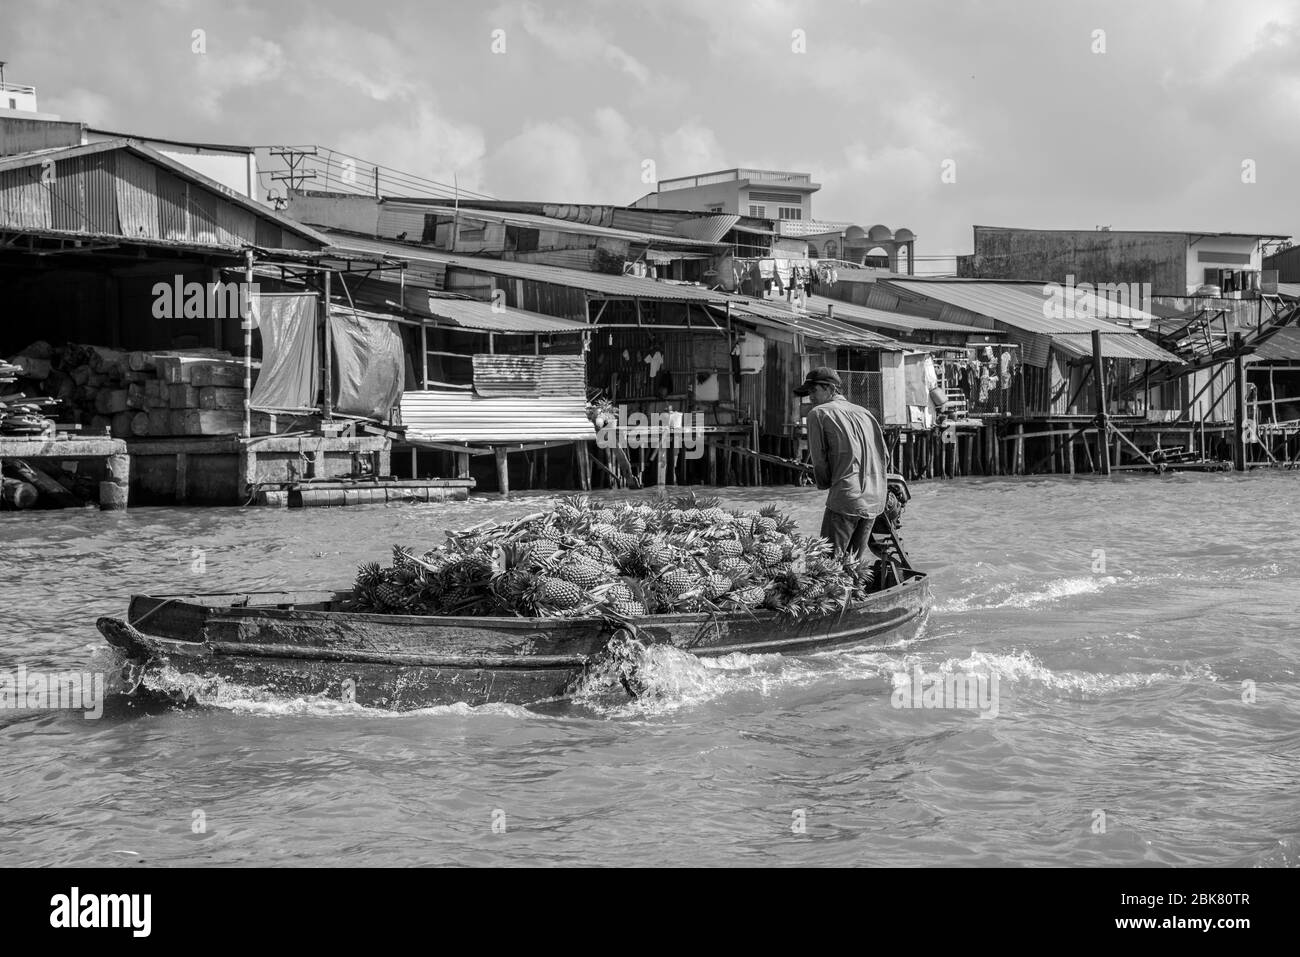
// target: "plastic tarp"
[[369, 365], [290, 376]]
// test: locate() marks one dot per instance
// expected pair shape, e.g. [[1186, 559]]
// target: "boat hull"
[[298, 644]]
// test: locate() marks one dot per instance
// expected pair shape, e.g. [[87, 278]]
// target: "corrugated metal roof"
[[605, 284], [1291, 289], [1024, 305], [1280, 346], [437, 416], [891, 320], [1124, 346], [831, 331], [484, 316], [559, 225]]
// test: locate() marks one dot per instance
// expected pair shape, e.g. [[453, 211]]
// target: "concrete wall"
[[357, 214], [1173, 263], [21, 134], [702, 197], [1220, 252], [1089, 255]]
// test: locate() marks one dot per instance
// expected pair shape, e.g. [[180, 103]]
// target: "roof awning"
[[483, 316], [1114, 346]]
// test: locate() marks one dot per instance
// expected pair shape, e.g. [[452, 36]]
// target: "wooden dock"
[[115, 486]]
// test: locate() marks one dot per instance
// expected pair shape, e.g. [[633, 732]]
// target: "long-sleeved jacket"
[[848, 457]]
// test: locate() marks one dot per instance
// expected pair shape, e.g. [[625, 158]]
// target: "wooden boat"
[[302, 644]]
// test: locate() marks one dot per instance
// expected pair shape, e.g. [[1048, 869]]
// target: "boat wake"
[[1013, 595], [215, 692], [666, 679]]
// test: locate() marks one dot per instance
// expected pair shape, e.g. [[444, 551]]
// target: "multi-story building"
[[786, 198], [1173, 263], [760, 193]]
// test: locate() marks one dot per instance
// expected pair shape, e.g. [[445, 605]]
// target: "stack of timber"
[[141, 393]]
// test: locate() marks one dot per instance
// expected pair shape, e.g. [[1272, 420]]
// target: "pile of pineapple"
[[623, 560]]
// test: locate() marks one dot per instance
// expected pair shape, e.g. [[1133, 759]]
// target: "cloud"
[[576, 42], [422, 142], [257, 64]]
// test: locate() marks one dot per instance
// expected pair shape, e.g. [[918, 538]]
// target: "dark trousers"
[[851, 533]]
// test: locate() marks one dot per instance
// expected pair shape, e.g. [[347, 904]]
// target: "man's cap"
[[822, 375]]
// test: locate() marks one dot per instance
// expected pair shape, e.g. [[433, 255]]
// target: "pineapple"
[[584, 574], [769, 553], [716, 585], [623, 601], [679, 582], [750, 595], [555, 593], [784, 523], [727, 548], [733, 566]]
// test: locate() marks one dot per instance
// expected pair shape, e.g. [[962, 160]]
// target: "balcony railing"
[[15, 88]]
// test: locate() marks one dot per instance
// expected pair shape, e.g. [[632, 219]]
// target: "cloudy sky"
[[1017, 100]]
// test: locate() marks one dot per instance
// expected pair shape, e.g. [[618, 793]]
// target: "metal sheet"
[[1129, 345], [473, 314], [1280, 346], [24, 200], [817, 326], [85, 196], [391, 212], [455, 416], [137, 196], [890, 320], [1018, 304], [604, 283]]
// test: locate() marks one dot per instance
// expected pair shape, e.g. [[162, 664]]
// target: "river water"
[[1142, 633]]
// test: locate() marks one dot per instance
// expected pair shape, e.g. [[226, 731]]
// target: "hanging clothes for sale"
[[655, 360]]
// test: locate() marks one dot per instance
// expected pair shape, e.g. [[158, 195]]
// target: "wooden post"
[[115, 489], [1239, 417], [182, 477], [327, 398], [462, 465], [247, 322], [424, 356], [758, 480], [584, 465], [503, 471], [1069, 455], [1019, 466], [1099, 387]]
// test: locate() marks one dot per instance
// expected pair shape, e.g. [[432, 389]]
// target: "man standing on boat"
[[848, 459]]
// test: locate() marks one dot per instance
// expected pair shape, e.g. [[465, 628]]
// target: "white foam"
[[1023, 668], [1011, 595], [216, 692]]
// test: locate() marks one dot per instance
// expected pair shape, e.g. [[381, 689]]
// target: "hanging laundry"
[[655, 360]]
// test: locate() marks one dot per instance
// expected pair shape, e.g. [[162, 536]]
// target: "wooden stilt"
[[1069, 455], [503, 472]]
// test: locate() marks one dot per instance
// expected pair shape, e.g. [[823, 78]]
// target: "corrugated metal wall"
[[137, 196], [24, 200], [119, 193], [83, 198], [466, 417]]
